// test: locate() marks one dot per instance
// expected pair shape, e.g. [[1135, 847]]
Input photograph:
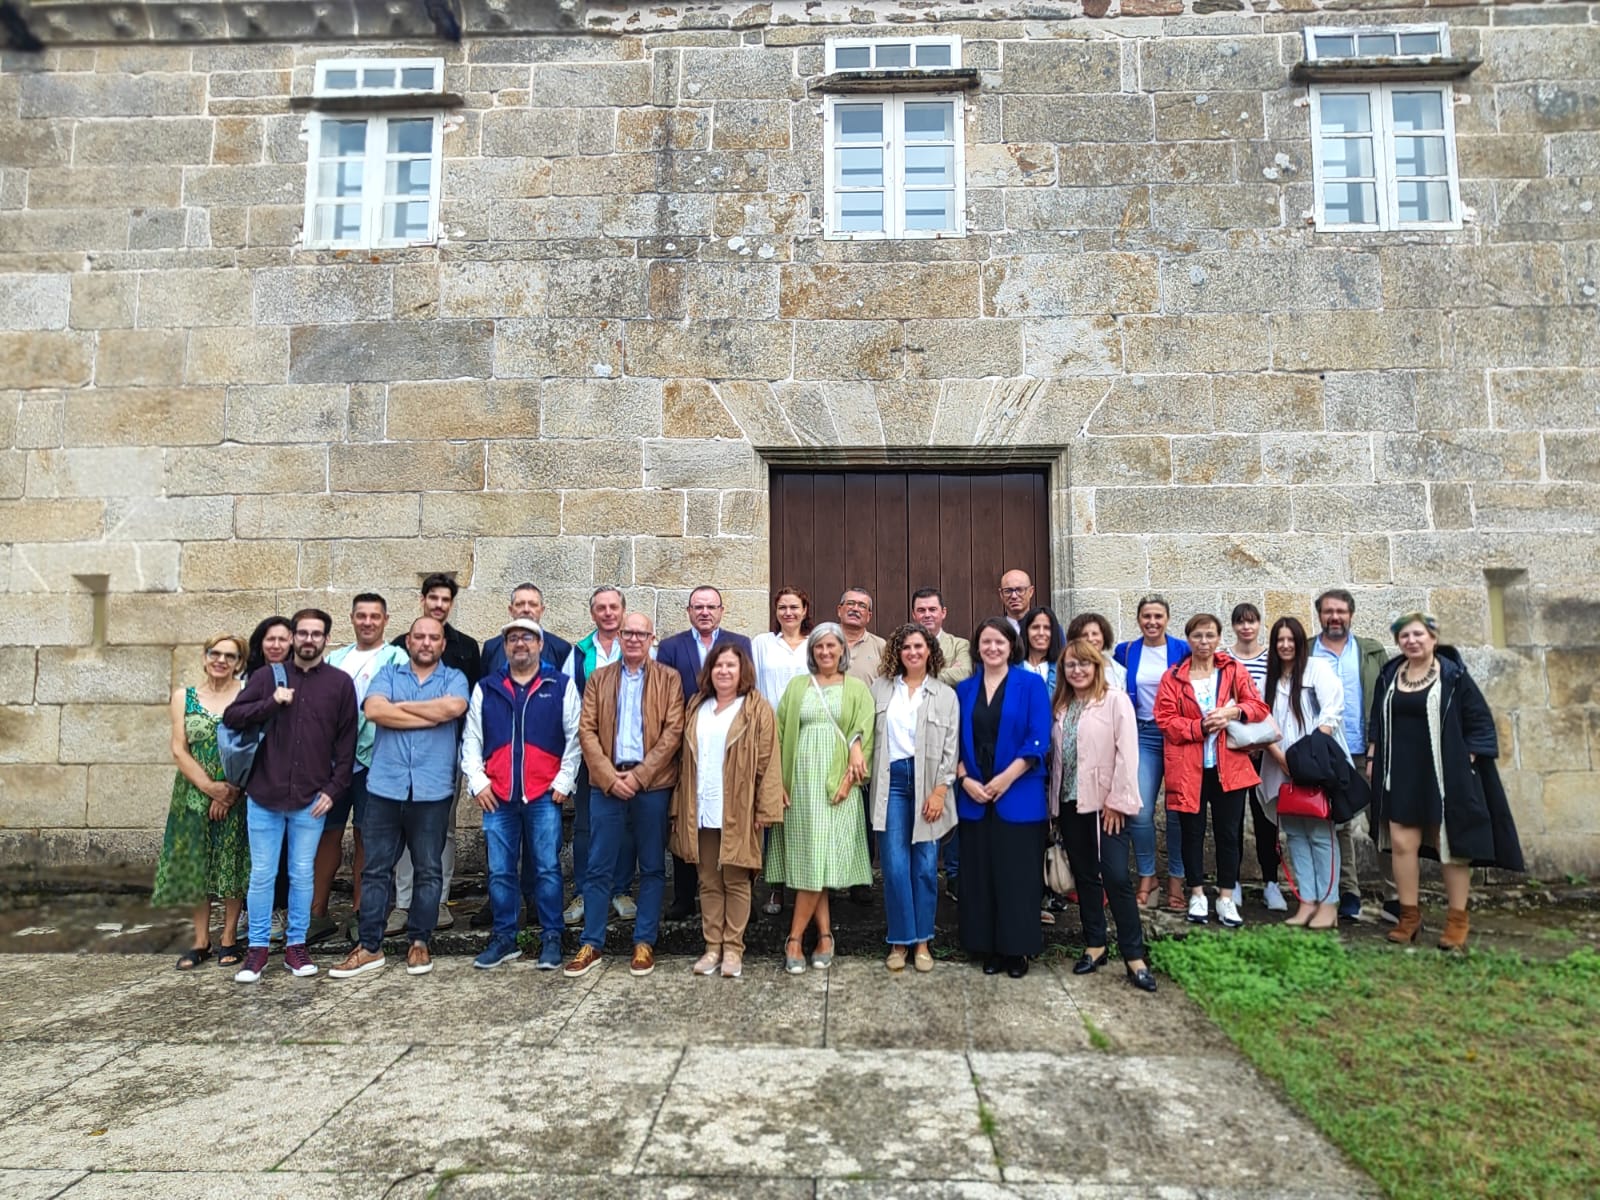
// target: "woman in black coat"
[[1435, 789]]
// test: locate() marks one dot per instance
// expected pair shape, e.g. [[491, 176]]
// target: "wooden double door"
[[893, 532]]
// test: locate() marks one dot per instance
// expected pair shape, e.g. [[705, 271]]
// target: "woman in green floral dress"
[[205, 851]]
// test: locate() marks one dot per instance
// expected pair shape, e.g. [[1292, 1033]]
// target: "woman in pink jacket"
[[1094, 789]]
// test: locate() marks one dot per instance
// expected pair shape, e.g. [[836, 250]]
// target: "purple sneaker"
[[297, 961], [255, 962]]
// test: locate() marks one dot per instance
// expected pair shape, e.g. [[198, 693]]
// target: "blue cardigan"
[[1127, 655], [1024, 733]]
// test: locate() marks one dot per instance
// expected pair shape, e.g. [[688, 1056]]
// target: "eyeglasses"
[[311, 635], [862, 605], [1015, 591], [513, 639], [705, 608], [222, 655], [635, 633]]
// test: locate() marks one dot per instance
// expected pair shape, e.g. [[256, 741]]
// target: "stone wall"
[[632, 298]]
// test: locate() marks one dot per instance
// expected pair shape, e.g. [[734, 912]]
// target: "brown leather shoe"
[[587, 958], [644, 960], [1454, 936], [1177, 895], [418, 960], [1148, 887], [357, 962], [1409, 925]]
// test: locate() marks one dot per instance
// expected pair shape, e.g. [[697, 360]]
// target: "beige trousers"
[[724, 896]]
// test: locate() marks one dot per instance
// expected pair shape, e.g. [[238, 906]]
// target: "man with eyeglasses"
[[1016, 596], [526, 601], [301, 770], [630, 728], [686, 653], [866, 649]]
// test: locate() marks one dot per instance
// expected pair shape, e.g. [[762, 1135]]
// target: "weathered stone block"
[[464, 409], [286, 413], [407, 467], [604, 511], [151, 357], [143, 416], [52, 520], [1358, 340], [17, 672], [1364, 400], [128, 566], [398, 564], [131, 471], [1053, 210], [1348, 509], [1066, 65], [385, 350], [963, 349], [77, 95], [1571, 456], [693, 408], [998, 164], [605, 288], [557, 563], [539, 349], [1195, 343], [142, 619], [866, 292], [1208, 115], [1536, 506], [529, 465], [1187, 561], [265, 183], [1316, 458], [1104, 164], [612, 85], [39, 360], [492, 289], [699, 464], [608, 175], [1057, 118], [547, 132], [29, 734], [42, 796], [1527, 337], [1120, 461], [533, 513], [34, 301], [1574, 675], [127, 675], [1281, 281], [582, 407], [162, 518], [115, 733], [103, 300], [670, 128], [136, 187], [1197, 64], [746, 73], [1216, 458], [1467, 454], [235, 355], [314, 516], [1060, 346], [749, 125], [848, 350], [229, 470], [685, 562], [326, 294], [1190, 510], [1210, 206], [1046, 285], [1549, 399], [709, 349]]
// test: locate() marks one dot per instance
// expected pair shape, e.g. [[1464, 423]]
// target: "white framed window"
[[378, 77], [895, 166], [892, 54], [1386, 41], [373, 180], [1384, 156]]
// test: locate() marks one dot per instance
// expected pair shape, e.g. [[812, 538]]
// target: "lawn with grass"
[[1442, 1076]]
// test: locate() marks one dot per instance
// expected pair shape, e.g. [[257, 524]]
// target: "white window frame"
[[320, 88], [374, 178], [1383, 134], [1355, 31], [894, 189], [834, 45]]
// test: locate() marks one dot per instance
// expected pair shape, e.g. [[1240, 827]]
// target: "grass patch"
[[1460, 1076], [1098, 1038]]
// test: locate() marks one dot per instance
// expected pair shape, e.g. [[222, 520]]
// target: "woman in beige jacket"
[[915, 744], [730, 789]]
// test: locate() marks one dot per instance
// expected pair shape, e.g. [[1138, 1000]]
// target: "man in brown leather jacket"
[[630, 729]]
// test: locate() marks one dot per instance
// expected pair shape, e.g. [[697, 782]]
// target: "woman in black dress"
[[1435, 789]]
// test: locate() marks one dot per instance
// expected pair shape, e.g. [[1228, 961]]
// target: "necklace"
[[1416, 685]]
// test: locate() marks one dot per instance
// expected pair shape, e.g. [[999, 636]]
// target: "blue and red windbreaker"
[[525, 736]]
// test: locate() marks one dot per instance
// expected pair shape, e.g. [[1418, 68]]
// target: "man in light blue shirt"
[[411, 789]]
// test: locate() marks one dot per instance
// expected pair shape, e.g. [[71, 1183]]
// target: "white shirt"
[[900, 720], [776, 664], [1322, 697], [1205, 695], [711, 745], [1152, 666]]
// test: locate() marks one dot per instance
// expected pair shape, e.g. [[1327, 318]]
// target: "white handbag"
[[1244, 735]]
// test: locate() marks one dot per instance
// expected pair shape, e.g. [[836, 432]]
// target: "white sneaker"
[[1227, 912], [573, 915], [1199, 909], [625, 907], [1275, 900]]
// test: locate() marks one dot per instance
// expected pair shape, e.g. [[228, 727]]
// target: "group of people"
[[804, 753]]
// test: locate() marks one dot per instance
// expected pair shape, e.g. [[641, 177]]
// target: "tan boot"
[[1410, 924], [1454, 936]]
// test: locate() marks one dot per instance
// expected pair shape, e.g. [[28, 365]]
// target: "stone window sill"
[[1383, 70], [928, 79]]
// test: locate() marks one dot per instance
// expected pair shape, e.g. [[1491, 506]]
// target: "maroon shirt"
[[310, 744]]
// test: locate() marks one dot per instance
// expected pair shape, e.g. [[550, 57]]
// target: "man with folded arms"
[[630, 729], [411, 789]]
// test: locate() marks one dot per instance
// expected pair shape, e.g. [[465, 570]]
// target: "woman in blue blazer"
[[1146, 660], [1001, 804]]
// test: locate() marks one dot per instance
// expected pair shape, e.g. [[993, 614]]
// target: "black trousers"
[[1002, 867], [1227, 826], [1266, 837], [1100, 865]]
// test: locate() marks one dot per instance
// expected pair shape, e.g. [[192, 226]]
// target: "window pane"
[[339, 179], [340, 139], [858, 123], [852, 58], [1419, 43], [409, 178], [420, 78], [937, 55], [861, 212], [339, 80], [1346, 113], [1419, 156], [1425, 201], [1346, 158], [1418, 110], [378, 77], [893, 54], [930, 164], [930, 210], [411, 137], [1335, 45], [1350, 203], [861, 167], [1377, 43], [338, 223], [930, 122], [405, 220]]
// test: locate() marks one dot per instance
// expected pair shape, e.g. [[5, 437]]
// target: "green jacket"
[[856, 718], [1373, 656]]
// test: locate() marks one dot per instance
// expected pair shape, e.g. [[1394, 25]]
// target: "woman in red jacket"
[[1196, 700]]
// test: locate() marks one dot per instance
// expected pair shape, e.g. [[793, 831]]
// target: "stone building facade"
[[631, 311]]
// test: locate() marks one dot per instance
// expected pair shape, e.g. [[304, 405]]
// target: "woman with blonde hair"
[[205, 851]]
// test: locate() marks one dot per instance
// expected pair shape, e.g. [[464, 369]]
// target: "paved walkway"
[[123, 1078]]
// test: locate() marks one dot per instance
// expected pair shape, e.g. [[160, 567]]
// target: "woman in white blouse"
[[1304, 694], [913, 770], [779, 657]]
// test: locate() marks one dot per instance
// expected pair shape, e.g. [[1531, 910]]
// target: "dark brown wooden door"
[[892, 532]]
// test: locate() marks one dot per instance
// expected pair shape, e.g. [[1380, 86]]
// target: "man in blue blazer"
[[686, 653], [526, 601]]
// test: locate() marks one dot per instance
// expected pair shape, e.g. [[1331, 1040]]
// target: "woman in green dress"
[[825, 724], [205, 851]]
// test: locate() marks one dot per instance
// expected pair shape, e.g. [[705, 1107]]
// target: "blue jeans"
[[266, 829], [390, 826], [1143, 826], [613, 823], [950, 850], [1313, 856], [582, 841], [910, 869], [529, 834]]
